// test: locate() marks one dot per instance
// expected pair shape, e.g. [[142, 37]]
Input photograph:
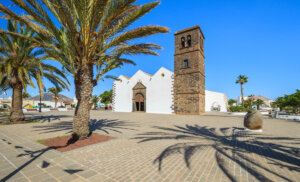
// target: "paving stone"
[[68, 178], [143, 142]]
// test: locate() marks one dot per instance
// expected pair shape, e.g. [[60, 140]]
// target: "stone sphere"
[[253, 120]]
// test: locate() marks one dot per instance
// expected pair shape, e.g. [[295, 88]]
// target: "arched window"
[[182, 42], [189, 40]]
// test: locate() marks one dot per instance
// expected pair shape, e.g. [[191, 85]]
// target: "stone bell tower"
[[189, 72]]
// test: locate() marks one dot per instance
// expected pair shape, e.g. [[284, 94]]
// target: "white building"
[[267, 101], [159, 97], [181, 92], [48, 100]]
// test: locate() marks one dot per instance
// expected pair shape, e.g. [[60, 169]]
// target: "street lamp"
[[41, 95], [40, 108]]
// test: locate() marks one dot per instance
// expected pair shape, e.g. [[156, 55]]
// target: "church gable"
[[139, 85]]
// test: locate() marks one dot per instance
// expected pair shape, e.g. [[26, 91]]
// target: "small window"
[[186, 64], [182, 42], [201, 43], [189, 40]]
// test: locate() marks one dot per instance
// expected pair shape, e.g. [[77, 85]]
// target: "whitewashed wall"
[[48, 103], [158, 91], [215, 99], [159, 94]]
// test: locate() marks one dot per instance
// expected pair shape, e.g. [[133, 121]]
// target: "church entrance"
[[139, 98], [139, 102]]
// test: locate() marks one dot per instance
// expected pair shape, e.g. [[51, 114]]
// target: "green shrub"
[[237, 109]]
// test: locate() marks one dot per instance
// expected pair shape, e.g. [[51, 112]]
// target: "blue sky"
[[257, 38]]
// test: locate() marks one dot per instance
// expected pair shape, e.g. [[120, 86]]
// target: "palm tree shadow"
[[46, 118], [104, 125], [33, 155], [232, 144]]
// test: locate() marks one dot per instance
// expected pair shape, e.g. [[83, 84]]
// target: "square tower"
[[189, 72]]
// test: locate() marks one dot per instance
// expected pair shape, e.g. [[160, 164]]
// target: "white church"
[[166, 92]]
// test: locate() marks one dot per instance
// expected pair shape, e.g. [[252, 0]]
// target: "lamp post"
[[40, 108]]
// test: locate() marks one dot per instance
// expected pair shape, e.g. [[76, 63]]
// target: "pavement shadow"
[[33, 155], [55, 127], [47, 118], [230, 144], [104, 125]]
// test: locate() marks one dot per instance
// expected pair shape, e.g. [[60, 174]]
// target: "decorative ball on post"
[[253, 120]]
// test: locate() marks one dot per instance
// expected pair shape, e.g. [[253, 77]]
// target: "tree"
[[259, 102], [90, 34], [26, 95], [94, 100], [281, 102], [242, 79], [249, 102], [21, 62], [4, 85], [106, 97], [293, 101], [231, 102], [55, 91]]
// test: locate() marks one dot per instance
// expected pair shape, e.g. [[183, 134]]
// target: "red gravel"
[[60, 144]]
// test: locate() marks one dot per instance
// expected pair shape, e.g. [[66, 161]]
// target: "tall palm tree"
[[90, 34], [21, 62], [25, 95], [55, 91], [95, 99], [242, 79]]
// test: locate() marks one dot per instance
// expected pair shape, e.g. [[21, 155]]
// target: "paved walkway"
[[153, 147]]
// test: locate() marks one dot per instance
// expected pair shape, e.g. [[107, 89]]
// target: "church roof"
[[125, 76], [162, 69]]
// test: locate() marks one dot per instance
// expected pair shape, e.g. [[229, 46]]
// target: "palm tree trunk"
[[55, 100], [242, 92], [83, 90], [17, 114]]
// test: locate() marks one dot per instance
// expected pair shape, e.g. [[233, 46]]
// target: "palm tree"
[[259, 102], [90, 34], [95, 99], [55, 91], [21, 62], [25, 95], [4, 84], [242, 79]]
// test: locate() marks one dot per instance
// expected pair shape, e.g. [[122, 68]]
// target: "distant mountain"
[[50, 97]]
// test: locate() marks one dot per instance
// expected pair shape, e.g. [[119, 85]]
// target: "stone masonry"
[[189, 70]]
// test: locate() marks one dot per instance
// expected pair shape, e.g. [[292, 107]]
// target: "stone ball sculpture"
[[253, 120]]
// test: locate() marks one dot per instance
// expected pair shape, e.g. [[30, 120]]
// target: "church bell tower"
[[189, 72]]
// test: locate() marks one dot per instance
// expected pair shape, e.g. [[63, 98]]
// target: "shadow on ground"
[[47, 118], [32, 156], [231, 145], [104, 125]]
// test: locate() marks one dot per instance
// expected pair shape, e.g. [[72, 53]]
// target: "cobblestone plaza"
[[153, 147]]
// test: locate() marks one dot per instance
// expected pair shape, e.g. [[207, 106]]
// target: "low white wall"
[[48, 103], [214, 99], [62, 109], [288, 117]]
